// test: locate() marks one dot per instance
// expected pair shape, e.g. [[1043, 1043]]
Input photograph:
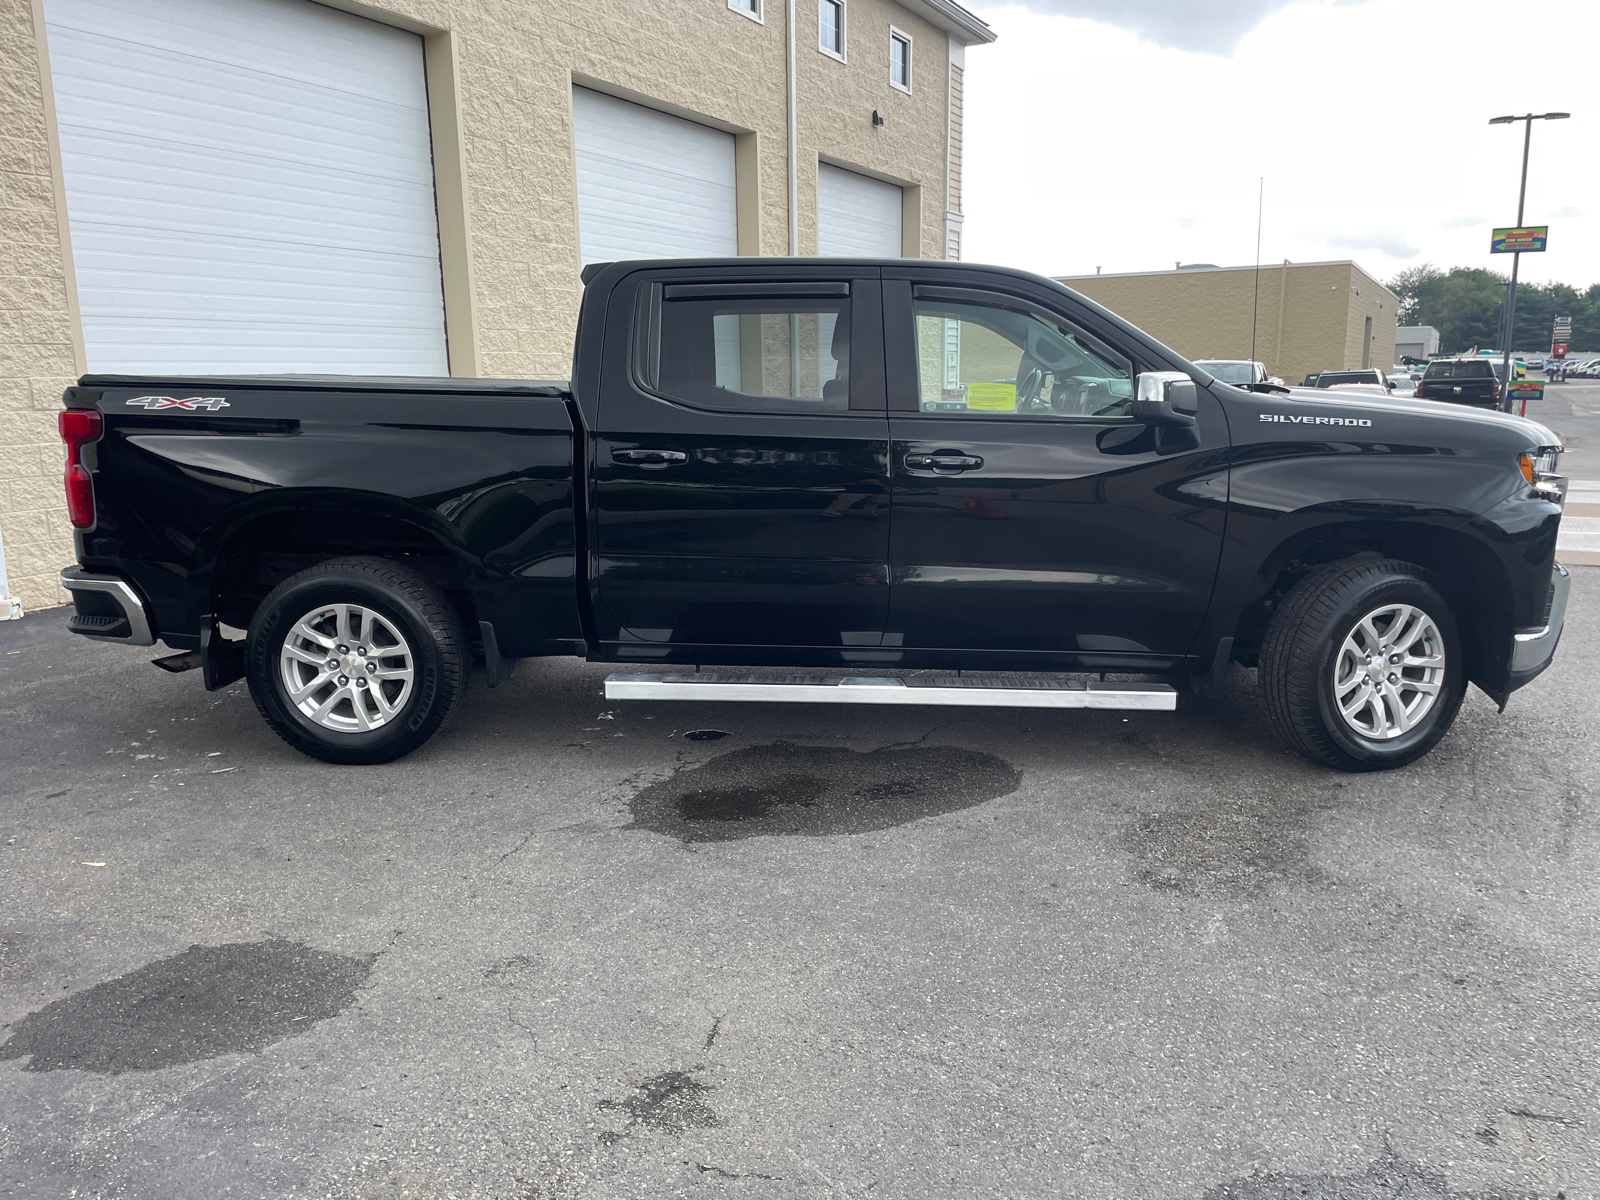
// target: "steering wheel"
[[1029, 387]]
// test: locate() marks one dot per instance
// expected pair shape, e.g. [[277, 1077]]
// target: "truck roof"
[[339, 383]]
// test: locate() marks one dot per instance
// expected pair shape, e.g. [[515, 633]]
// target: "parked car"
[[1238, 371], [749, 470], [1461, 381], [1328, 379]]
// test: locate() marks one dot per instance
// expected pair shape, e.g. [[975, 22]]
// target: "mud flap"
[[221, 659], [496, 667]]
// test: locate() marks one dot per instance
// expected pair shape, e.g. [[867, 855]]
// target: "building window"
[[747, 8], [830, 28], [900, 59]]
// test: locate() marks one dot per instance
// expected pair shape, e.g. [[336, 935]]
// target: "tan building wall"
[[1308, 316], [500, 79]]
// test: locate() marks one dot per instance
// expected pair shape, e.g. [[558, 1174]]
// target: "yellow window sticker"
[[992, 397]]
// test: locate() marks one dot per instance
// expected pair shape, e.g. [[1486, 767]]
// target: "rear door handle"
[[653, 460], [945, 461]]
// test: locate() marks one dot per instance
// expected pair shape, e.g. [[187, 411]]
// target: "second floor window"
[[900, 60], [749, 8], [830, 27]]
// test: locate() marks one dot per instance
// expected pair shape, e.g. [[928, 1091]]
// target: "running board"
[[992, 691]]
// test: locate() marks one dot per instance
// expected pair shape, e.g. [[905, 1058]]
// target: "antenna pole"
[[1255, 305]]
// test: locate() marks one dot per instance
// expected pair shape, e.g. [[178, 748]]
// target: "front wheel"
[[1362, 666], [356, 660]]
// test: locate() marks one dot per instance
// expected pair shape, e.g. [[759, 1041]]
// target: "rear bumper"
[[1533, 649], [109, 609]]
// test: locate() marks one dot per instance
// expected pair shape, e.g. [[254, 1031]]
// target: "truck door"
[[1033, 515], [740, 490]]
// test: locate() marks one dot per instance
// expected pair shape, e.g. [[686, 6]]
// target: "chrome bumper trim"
[[1533, 649], [142, 631]]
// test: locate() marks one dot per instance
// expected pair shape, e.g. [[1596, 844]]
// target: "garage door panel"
[[651, 185], [249, 187], [857, 215]]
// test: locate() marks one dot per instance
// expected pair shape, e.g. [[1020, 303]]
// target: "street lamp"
[[1516, 257]]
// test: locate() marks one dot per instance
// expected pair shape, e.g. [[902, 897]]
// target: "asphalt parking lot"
[[562, 951]]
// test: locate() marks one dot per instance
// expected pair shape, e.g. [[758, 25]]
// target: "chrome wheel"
[[347, 668], [1389, 672]]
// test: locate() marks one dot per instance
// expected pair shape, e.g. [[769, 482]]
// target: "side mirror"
[[1167, 398]]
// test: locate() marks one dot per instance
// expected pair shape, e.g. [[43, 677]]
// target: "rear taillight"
[[79, 427], [1418, 393], [1494, 390]]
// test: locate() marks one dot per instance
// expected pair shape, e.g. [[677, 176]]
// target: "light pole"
[[1516, 257]]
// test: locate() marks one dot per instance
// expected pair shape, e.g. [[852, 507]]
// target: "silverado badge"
[[152, 403]]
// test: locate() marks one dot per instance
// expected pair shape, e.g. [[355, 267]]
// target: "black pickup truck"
[[925, 483]]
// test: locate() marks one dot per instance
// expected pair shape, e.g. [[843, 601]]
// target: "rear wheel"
[[356, 660], [1362, 666]]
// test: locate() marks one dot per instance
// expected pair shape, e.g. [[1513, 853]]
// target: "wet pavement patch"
[[667, 1103], [1228, 847], [203, 1003], [786, 789], [1389, 1178]]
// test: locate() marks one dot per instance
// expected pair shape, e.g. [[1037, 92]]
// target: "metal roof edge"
[[952, 18], [1266, 266]]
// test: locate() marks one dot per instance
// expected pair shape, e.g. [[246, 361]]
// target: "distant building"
[[1307, 317], [1416, 341]]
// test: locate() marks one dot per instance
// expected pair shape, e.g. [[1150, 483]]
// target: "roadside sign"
[[1558, 349], [1524, 390], [1526, 239]]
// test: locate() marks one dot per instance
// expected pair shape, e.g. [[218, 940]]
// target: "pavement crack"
[[712, 1036], [918, 741], [517, 848]]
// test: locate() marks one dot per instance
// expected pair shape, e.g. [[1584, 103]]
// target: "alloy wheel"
[[347, 668], [1389, 671]]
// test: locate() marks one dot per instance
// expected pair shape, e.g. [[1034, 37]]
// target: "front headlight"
[[1539, 469]]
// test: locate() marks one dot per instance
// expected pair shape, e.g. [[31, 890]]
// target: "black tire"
[[403, 612], [1301, 652]]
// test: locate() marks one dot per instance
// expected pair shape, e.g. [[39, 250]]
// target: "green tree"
[[1464, 305]]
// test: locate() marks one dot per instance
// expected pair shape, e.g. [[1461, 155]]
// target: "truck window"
[[755, 354], [982, 360], [1460, 370]]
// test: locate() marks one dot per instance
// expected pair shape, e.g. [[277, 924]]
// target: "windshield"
[[1329, 378], [1476, 369], [1229, 371]]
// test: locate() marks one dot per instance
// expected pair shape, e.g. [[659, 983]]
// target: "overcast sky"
[[1131, 134]]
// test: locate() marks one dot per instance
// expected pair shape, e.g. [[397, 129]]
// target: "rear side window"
[[1459, 370], [749, 353]]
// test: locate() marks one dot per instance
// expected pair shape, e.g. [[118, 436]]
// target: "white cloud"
[[1211, 26], [1089, 145], [1392, 245]]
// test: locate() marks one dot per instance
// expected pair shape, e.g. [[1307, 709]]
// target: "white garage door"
[[249, 187], [857, 216], [651, 185]]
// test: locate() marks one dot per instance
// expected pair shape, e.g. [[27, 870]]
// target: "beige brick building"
[[531, 129], [1307, 316]]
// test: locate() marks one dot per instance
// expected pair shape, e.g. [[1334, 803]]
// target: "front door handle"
[[650, 460], [946, 460]]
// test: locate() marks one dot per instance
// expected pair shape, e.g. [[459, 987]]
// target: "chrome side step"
[[991, 691]]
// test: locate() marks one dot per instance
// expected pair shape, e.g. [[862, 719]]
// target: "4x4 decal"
[[152, 403]]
